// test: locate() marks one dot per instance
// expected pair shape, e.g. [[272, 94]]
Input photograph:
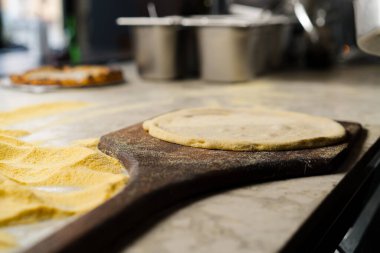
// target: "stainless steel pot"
[[236, 49], [367, 18], [225, 52], [230, 48], [155, 43]]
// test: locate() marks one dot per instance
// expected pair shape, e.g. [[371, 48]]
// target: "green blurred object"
[[73, 47]]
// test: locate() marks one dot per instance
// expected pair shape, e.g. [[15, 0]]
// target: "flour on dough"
[[245, 129]]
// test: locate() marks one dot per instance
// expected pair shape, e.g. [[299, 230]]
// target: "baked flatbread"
[[245, 129], [76, 76]]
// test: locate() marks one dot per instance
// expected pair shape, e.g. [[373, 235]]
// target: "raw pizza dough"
[[244, 129]]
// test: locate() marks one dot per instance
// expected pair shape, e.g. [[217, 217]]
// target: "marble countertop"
[[256, 218]]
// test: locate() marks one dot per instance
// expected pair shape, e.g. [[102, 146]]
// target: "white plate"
[[7, 83]]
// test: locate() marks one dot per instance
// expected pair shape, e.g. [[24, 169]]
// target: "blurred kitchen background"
[[58, 32]]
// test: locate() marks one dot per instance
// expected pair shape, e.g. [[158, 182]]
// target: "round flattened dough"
[[244, 129]]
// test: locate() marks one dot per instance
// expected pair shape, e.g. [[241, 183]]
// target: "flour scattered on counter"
[[7, 241], [91, 143], [38, 110], [14, 133], [39, 183]]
